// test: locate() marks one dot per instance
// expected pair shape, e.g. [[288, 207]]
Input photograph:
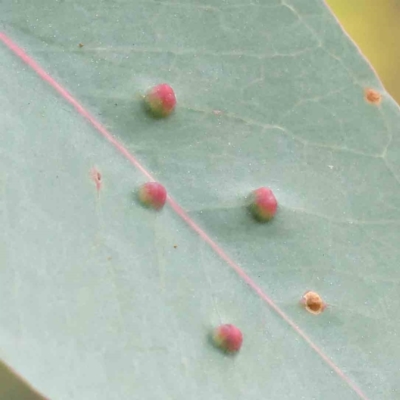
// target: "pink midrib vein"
[[174, 205]]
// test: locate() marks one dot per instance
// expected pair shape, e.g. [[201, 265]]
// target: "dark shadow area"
[[12, 387]]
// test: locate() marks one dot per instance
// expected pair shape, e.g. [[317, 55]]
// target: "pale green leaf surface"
[[97, 303]]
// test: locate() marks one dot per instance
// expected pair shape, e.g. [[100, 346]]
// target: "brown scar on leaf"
[[80, 45], [217, 112], [96, 177], [372, 96], [313, 303]]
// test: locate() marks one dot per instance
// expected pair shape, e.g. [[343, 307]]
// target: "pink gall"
[[153, 194], [263, 204], [228, 338], [160, 100]]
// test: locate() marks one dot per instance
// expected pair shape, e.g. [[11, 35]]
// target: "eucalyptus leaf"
[[105, 299]]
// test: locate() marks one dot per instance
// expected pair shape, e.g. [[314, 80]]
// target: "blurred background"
[[375, 27]]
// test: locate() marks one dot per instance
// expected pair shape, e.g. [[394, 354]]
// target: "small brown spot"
[[313, 303], [372, 96], [175, 246], [80, 45], [96, 177]]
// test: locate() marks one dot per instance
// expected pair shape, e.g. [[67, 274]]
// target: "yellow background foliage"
[[375, 27]]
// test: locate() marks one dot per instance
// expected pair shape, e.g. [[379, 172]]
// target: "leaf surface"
[[97, 301]]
